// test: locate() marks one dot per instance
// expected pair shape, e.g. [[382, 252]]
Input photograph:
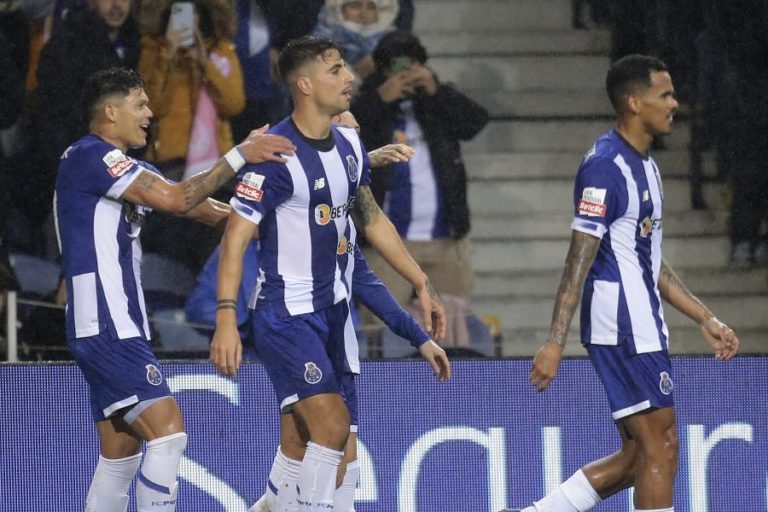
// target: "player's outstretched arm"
[[437, 359], [719, 336], [383, 236], [581, 255], [390, 154], [151, 190], [226, 347]]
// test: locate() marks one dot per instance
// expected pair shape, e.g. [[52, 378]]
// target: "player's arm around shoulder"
[[718, 335], [150, 189]]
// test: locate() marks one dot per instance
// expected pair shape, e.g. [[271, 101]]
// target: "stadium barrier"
[[482, 441]]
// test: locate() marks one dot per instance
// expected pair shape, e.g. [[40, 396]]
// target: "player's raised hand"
[[434, 312], [720, 337], [545, 365], [437, 359], [261, 146], [390, 154], [226, 350]]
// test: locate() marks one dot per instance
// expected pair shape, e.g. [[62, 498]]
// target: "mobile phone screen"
[[182, 20]]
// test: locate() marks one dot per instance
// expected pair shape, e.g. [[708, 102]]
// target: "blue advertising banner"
[[478, 443]]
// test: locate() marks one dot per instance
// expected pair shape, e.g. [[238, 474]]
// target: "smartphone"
[[183, 20], [398, 64]]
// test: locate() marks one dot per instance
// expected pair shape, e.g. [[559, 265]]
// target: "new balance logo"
[[646, 195], [319, 183]]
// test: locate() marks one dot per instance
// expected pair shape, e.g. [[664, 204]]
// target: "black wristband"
[[226, 304]]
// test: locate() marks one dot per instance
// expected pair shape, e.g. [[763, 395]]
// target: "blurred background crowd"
[[209, 90]]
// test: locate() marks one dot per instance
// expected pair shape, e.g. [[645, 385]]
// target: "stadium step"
[[470, 44], [527, 135], [503, 16], [501, 284], [563, 164], [549, 254], [505, 225], [556, 195]]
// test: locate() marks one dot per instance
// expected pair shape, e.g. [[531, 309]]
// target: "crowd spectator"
[[357, 26], [100, 36], [193, 92], [426, 198]]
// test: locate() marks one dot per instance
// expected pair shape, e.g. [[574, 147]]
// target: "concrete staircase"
[[543, 84]]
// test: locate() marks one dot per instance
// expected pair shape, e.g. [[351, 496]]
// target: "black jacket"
[[445, 118], [78, 50]]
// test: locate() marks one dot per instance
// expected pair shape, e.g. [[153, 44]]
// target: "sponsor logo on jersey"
[[345, 247], [312, 374], [648, 225], [319, 183], [154, 376], [592, 203], [325, 214], [250, 187], [665, 383], [117, 163], [352, 168]]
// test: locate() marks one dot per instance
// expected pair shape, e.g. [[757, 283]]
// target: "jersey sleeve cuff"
[[589, 227], [246, 211], [121, 185]]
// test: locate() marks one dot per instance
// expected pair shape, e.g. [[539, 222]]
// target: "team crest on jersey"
[[154, 376], [250, 187], [352, 168], [312, 374], [665, 383], [592, 203]]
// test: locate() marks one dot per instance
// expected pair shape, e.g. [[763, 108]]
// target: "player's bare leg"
[[162, 427], [615, 472], [347, 477], [655, 433], [327, 421]]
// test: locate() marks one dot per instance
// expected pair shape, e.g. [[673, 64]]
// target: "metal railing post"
[[11, 324]]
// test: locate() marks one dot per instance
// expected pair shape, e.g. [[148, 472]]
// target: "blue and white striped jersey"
[[98, 236], [413, 201], [619, 198], [302, 208]]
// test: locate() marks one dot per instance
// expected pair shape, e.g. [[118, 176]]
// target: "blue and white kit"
[[618, 198]]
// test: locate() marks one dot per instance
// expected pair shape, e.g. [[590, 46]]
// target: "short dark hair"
[[399, 43], [301, 50], [628, 74], [105, 83]]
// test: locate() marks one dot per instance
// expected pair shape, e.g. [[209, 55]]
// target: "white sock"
[[280, 495], [157, 486], [317, 478], [110, 484], [344, 497], [574, 495]]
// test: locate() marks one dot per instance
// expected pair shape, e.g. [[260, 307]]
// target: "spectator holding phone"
[[426, 197], [194, 83]]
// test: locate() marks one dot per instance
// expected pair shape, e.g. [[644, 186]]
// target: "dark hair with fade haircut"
[[301, 50], [108, 82], [399, 43], [628, 74]]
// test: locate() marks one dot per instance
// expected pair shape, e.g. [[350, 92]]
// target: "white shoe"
[[261, 505]]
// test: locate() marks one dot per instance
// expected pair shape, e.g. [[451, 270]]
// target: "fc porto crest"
[[352, 168], [312, 374], [154, 376], [665, 383]]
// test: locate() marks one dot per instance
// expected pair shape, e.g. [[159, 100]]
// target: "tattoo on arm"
[[668, 281], [365, 209], [146, 180], [581, 255], [197, 188]]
